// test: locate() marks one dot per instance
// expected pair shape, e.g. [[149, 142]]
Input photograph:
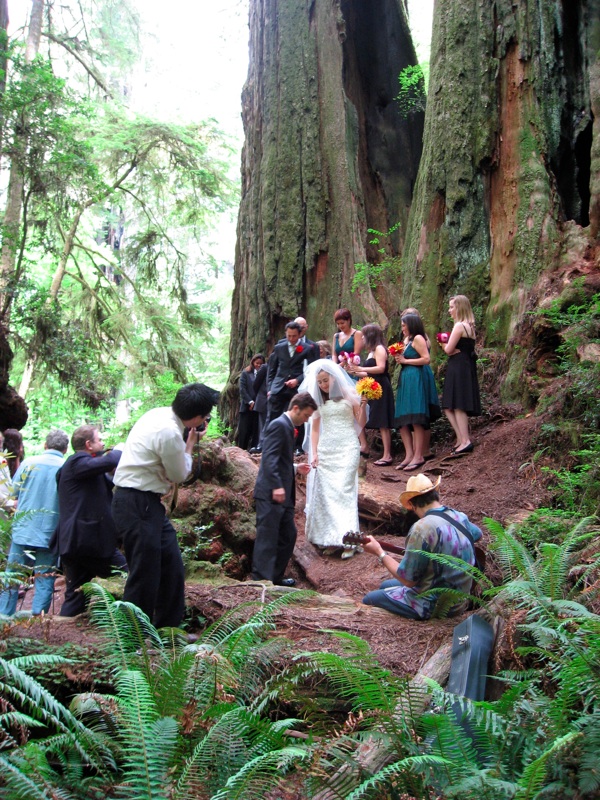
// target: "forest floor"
[[499, 480]]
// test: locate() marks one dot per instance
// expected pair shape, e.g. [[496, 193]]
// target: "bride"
[[333, 453]]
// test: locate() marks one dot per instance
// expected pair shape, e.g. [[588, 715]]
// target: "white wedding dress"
[[332, 508]]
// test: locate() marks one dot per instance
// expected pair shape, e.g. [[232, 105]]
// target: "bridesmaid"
[[460, 398], [347, 339], [381, 412], [429, 376], [413, 398], [248, 420]]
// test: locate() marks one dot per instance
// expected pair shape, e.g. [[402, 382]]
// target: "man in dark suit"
[[275, 493], [286, 369], [86, 536]]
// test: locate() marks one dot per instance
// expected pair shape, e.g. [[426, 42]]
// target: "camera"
[[202, 427]]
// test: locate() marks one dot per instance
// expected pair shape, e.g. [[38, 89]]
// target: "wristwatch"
[[381, 557]]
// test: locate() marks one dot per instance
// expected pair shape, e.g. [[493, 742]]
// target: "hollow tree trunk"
[[327, 154], [510, 161]]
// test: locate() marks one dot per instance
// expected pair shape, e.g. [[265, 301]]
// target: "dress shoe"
[[286, 582], [255, 450]]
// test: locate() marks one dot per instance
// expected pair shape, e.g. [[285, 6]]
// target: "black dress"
[[461, 387], [381, 412]]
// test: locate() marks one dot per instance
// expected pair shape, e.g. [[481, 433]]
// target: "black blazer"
[[260, 390], [277, 462], [246, 390], [85, 524], [282, 366]]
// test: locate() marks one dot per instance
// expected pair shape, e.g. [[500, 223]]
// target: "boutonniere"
[[299, 348]]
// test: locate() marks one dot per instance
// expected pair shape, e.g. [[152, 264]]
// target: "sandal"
[[402, 465], [383, 463], [365, 453], [413, 467]]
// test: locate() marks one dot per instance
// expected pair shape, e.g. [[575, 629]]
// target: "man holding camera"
[[155, 457]]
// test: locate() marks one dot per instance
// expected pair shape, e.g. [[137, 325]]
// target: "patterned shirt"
[[434, 535]]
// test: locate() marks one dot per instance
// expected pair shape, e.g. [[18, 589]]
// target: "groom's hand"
[[278, 495], [291, 384]]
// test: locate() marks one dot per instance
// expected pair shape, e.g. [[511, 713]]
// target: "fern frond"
[[534, 774], [126, 628], [395, 775], [260, 775], [17, 784]]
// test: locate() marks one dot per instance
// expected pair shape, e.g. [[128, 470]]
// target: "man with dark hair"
[[154, 458], [86, 537], [275, 493], [286, 369], [438, 530], [34, 489]]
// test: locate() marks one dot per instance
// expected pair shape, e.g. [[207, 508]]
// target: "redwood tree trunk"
[[510, 162], [327, 154]]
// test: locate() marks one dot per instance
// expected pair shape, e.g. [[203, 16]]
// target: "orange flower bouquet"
[[396, 349], [369, 388]]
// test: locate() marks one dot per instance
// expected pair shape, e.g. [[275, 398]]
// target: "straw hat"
[[417, 484]]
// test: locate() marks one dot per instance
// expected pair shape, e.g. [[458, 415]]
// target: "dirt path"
[[497, 480]]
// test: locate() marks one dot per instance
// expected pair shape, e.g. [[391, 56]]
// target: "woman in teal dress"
[[417, 401], [347, 339]]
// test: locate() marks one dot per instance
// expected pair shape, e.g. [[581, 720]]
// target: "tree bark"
[[14, 202], [13, 411], [508, 162], [327, 154]]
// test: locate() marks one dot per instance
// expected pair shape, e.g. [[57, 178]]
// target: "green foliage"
[[412, 96], [110, 281], [388, 268]]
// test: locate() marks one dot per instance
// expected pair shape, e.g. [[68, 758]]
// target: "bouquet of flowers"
[[349, 358], [369, 388], [396, 349], [442, 337]]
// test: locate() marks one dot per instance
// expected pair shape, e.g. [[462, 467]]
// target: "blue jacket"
[[34, 487]]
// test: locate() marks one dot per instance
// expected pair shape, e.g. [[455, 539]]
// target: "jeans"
[[43, 562], [379, 598]]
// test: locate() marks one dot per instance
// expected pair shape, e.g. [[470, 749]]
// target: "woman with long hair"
[[416, 396], [460, 398], [333, 453], [248, 421], [13, 447], [381, 412]]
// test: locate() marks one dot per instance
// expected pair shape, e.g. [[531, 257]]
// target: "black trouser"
[[277, 404], [82, 570], [156, 576], [275, 540], [247, 429]]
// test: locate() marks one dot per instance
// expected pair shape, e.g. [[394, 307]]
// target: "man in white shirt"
[[155, 457]]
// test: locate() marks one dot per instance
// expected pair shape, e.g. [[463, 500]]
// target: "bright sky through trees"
[[196, 60]]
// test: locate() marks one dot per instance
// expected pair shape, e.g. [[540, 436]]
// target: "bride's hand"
[[315, 462]]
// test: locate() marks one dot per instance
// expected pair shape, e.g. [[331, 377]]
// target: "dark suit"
[[275, 527], [260, 403], [247, 421], [282, 368], [86, 537]]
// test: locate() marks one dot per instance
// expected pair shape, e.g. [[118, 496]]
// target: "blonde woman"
[[460, 398]]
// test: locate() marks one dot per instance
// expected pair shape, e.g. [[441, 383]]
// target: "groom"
[[286, 369], [275, 493]]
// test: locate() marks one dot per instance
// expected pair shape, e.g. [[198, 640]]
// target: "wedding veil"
[[341, 385]]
